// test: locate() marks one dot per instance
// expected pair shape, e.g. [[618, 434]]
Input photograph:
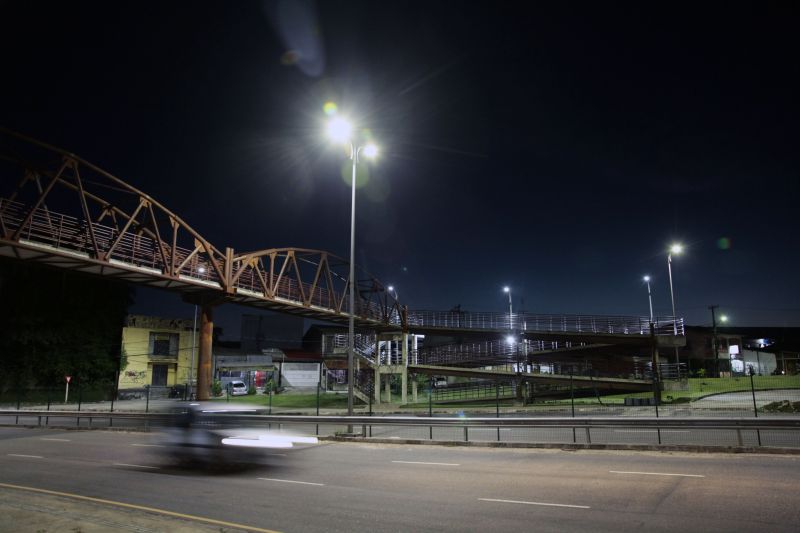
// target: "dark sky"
[[555, 147]]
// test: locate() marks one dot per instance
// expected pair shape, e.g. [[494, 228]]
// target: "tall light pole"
[[510, 310], [341, 130], [201, 270], [674, 249], [649, 297]]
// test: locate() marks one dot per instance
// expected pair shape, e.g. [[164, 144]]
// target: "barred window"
[[164, 344]]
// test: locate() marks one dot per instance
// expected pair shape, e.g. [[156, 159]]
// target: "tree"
[[55, 323]]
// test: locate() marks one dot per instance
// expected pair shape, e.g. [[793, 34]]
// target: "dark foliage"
[[55, 323]]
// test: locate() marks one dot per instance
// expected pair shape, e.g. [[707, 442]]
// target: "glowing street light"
[[341, 130], [723, 318], [510, 310], [649, 297], [390, 288], [676, 249]]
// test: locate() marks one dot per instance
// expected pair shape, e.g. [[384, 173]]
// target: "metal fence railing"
[[731, 433]]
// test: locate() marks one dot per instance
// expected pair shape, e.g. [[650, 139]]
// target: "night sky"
[[558, 148]]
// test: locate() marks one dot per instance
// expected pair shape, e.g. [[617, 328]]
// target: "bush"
[[251, 391], [216, 388]]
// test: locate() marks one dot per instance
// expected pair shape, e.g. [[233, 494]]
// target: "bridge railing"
[[615, 325], [493, 350], [64, 232]]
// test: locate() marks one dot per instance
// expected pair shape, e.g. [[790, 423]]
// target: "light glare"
[[646, 278], [676, 248], [340, 130], [370, 151]]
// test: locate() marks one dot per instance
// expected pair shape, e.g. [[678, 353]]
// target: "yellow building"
[[158, 353]]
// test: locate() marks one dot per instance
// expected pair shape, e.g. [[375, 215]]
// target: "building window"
[[164, 344]]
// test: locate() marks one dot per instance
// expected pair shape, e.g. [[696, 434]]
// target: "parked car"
[[439, 381], [237, 388]]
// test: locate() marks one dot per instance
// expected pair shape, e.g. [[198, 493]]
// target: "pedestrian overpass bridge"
[[59, 210]]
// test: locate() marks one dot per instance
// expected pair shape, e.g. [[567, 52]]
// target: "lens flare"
[[330, 108], [724, 243]]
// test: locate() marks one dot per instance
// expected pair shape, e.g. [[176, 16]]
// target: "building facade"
[[158, 355]]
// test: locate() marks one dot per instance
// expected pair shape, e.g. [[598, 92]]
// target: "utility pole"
[[715, 341]]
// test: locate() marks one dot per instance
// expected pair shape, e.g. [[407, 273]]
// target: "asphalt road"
[[372, 487]]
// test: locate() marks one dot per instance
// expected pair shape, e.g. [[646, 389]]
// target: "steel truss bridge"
[[59, 210]]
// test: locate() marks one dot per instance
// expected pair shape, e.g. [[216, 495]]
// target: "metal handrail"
[[787, 423], [526, 322]]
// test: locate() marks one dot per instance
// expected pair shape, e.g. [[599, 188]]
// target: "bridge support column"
[[414, 390], [388, 388], [204, 359], [376, 390]]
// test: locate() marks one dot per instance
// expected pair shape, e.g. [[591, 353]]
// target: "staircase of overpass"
[[59, 210]]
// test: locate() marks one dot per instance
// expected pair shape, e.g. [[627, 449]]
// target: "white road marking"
[[655, 474], [55, 440], [277, 454], [22, 455], [136, 466], [421, 463], [149, 445], [536, 503], [291, 481], [650, 430]]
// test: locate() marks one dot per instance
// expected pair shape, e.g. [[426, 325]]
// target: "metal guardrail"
[[367, 423]]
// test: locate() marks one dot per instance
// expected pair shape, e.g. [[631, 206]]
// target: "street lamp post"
[[510, 310], [649, 297], [674, 249], [200, 270], [341, 130]]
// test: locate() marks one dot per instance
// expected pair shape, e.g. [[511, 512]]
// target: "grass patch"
[[700, 387], [782, 407], [305, 401]]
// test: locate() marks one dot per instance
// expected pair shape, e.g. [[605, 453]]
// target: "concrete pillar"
[[404, 386], [414, 390], [376, 392], [404, 348], [204, 359], [388, 388]]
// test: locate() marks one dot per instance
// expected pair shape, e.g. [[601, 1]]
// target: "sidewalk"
[[23, 510]]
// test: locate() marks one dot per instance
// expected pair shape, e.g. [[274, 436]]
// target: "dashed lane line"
[[291, 481], [536, 503], [23, 455], [423, 463], [655, 474], [136, 466], [51, 439]]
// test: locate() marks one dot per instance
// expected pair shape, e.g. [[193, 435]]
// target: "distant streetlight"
[[723, 318], [390, 288], [649, 297], [676, 249], [341, 131], [510, 310]]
